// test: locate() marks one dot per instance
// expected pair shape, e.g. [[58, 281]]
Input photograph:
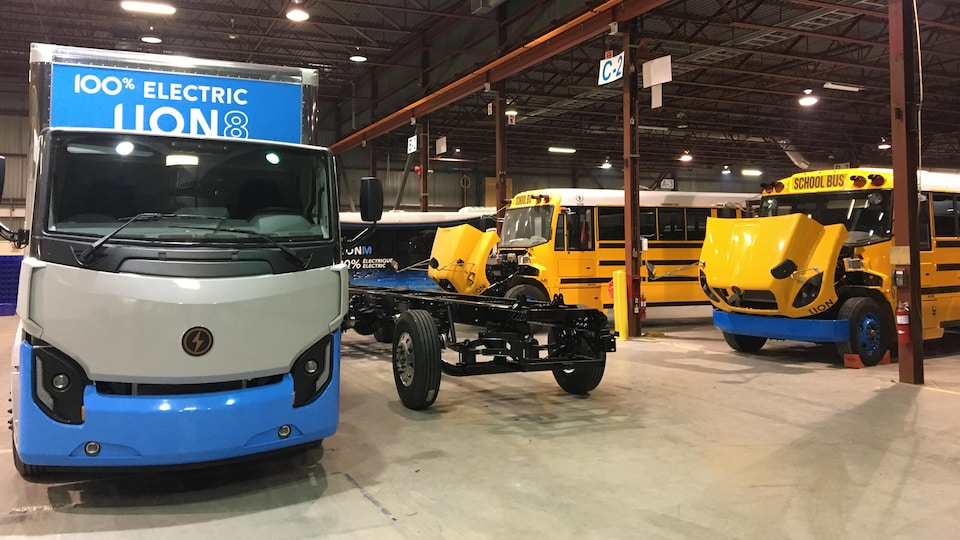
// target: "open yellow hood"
[[739, 256], [461, 259]]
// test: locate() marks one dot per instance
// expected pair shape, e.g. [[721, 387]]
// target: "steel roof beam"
[[578, 30]]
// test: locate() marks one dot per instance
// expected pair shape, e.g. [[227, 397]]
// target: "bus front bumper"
[[133, 431], [812, 330]]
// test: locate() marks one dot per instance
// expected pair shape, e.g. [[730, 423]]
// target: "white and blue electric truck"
[[182, 289]]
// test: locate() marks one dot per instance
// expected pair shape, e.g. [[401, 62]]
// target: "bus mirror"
[[651, 270], [371, 199], [784, 269]]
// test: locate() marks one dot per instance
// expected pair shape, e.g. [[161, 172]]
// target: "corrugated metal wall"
[[15, 145]]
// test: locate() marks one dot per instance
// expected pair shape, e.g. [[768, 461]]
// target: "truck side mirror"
[[784, 269], [371, 199], [3, 171]]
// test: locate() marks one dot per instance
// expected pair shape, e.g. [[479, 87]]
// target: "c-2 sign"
[[611, 69]]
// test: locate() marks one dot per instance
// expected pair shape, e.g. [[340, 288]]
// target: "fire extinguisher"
[[643, 307], [903, 323]]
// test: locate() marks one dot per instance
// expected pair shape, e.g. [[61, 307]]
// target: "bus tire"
[[871, 329], [25, 469], [580, 380], [416, 359], [525, 290], [742, 343]]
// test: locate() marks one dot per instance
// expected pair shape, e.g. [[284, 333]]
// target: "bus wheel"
[[579, 380], [525, 291], [416, 359], [871, 332], [748, 344], [25, 469]]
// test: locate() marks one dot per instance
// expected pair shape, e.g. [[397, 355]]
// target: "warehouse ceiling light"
[[297, 15], [842, 87], [151, 37], [751, 172], [511, 111], [808, 99], [606, 163], [685, 156], [358, 56], [153, 8], [726, 170], [562, 150], [884, 144]]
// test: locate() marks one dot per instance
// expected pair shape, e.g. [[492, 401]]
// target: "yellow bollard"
[[620, 303]]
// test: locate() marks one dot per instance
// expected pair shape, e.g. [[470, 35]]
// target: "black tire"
[[871, 329], [25, 469], [384, 334], [579, 380], [527, 291], [416, 359], [742, 343]]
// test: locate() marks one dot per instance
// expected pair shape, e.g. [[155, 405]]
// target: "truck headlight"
[[311, 372], [58, 384], [809, 291]]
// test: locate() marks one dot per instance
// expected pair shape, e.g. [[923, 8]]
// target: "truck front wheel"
[[416, 359], [871, 329], [742, 343]]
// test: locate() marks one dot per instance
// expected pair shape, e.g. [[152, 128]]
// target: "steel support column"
[[906, 152], [500, 121], [424, 164], [631, 178]]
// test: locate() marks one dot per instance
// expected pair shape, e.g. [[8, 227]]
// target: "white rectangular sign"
[[611, 69], [412, 144]]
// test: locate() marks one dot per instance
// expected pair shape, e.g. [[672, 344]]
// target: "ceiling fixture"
[[884, 145], [153, 8], [842, 87], [358, 56], [808, 98], [511, 111], [726, 170], [562, 150], [606, 163], [151, 37], [295, 13], [751, 172], [685, 156]]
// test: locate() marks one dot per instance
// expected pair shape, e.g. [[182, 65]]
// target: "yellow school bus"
[[815, 264], [569, 242]]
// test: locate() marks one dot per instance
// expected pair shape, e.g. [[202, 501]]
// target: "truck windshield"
[[866, 214], [201, 191], [526, 227]]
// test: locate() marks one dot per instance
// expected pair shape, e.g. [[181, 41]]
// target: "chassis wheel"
[[742, 343], [578, 380], [416, 359], [25, 469], [871, 329], [525, 291]]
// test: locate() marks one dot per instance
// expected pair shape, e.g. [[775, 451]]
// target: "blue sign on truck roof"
[[129, 99]]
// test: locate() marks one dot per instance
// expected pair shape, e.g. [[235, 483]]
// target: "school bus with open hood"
[[569, 241], [815, 264]]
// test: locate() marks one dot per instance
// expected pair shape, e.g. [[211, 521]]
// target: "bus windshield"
[[200, 191], [526, 227], [866, 214]]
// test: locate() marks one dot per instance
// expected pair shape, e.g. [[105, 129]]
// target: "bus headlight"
[[58, 384], [706, 288], [311, 372], [809, 291]]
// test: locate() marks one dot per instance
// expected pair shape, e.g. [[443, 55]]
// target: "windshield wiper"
[[87, 253], [291, 254]]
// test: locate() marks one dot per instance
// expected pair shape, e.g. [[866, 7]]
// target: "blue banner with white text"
[[175, 103]]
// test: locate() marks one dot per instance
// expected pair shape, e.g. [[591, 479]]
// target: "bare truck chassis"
[[421, 323]]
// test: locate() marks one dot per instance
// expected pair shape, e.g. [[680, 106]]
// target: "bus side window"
[[726, 212], [670, 223], [580, 229], [944, 216], [610, 224], [648, 223], [697, 223], [923, 224]]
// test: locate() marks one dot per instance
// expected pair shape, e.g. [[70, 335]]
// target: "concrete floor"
[[683, 439]]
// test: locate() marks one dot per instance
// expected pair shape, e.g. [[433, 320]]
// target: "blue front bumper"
[[813, 330], [173, 430]]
